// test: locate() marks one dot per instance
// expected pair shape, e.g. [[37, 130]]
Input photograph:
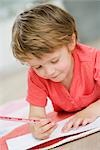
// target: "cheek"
[[63, 66]]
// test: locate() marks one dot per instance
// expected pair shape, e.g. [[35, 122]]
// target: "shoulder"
[[86, 53]]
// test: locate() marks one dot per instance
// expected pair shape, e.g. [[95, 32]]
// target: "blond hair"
[[40, 30]]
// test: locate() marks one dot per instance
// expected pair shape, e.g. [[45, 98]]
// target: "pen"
[[19, 119]]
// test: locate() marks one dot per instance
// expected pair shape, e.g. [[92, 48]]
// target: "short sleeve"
[[97, 68], [36, 92]]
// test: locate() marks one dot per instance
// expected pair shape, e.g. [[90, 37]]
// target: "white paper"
[[27, 141]]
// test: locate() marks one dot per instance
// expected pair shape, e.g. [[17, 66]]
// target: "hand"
[[42, 129], [81, 118]]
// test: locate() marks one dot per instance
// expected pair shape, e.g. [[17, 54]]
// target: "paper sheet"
[[27, 141]]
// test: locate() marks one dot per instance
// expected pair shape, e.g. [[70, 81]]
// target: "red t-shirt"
[[85, 86]]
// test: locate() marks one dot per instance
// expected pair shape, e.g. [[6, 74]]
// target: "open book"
[[57, 137]]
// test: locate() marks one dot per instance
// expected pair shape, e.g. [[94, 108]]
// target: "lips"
[[54, 76]]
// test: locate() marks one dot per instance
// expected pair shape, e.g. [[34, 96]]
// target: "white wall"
[[7, 61]]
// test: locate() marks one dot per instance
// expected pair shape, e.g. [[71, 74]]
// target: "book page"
[[27, 141]]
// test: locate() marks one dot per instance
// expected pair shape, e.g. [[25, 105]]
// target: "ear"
[[72, 44]]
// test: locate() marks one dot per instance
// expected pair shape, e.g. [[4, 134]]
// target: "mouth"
[[54, 77]]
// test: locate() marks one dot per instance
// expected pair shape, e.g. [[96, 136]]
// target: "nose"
[[49, 71]]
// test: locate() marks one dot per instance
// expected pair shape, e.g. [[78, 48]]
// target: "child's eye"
[[37, 67], [55, 61]]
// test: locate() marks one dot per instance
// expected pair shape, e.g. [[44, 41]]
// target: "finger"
[[88, 120], [68, 125], [44, 122], [77, 123], [85, 122], [41, 123], [48, 133], [47, 127]]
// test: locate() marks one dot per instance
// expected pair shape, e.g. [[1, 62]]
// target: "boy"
[[45, 37]]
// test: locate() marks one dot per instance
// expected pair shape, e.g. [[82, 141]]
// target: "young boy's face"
[[56, 66]]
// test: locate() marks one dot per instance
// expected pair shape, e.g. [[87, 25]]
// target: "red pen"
[[19, 119]]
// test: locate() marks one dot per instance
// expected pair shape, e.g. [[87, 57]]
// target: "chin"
[[57, 80]]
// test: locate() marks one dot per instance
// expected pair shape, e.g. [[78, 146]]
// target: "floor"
[[13, 86]]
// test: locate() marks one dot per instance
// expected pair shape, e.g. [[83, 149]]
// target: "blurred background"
[[13, 75]]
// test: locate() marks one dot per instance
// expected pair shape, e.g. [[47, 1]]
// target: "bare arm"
[[38, 112]]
